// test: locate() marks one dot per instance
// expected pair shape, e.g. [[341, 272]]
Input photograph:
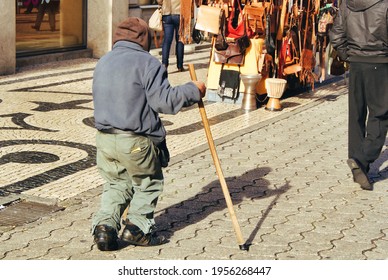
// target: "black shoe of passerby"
[[106, 238], [359, 175], [132, 234]]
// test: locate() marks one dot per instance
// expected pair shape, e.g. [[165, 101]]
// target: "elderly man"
[[130, 89]]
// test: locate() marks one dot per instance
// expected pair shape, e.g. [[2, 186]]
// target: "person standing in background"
[[360, 36], [176, 17], [30, 6], [52, 7]]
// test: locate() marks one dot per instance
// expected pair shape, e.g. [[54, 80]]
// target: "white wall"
[[103, 18]]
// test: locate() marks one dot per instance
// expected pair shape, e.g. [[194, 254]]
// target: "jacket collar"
[[127, 44]]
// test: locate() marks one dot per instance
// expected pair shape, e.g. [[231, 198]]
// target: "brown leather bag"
[[337, 67], [209, 19], [256, 18], [232, 55]]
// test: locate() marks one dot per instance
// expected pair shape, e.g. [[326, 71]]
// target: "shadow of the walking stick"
[[246, 188]]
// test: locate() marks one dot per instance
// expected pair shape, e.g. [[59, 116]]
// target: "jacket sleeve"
[[337, 34], [164, 98]]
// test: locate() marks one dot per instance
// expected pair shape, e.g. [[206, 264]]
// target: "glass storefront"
[[44, 26]]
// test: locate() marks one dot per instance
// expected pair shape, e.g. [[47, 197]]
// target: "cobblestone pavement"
[[286, 171]]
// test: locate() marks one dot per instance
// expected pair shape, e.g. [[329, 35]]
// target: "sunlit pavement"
[[286, 171]]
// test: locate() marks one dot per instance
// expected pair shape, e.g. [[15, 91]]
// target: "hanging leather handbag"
[[325, 22], [196, 35], [232, 55], [236, 22], [220, 43], [269, 42], [289, 60], [337, 67], [243, 42], [255, 16], [209, 19], [229, 84]]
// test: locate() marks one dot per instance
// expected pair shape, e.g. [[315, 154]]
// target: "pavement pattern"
[[286, 171]]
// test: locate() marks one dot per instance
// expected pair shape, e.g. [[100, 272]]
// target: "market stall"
[[276, 39]]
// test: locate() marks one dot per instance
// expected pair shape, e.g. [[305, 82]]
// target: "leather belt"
[[117, 131]]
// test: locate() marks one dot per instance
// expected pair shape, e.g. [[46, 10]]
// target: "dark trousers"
[[51, 8], [368, 111]]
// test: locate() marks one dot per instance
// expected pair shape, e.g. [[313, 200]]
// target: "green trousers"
[[131, 168]]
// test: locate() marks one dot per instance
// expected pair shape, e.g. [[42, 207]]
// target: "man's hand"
[[201, 87]]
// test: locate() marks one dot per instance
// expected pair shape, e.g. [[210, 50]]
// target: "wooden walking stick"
[[237, 230]]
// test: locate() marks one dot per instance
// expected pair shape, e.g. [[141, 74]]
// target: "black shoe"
[[106, 238], [359, 175], [181, 69], [132, 234]]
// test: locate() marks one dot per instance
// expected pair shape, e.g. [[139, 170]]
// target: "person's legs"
[[376, 82], [51, 13], [117, 191], [357, 111], [29, 8], [39, 16], [142, 165], [179, 47], [368, 117], [168, 29], [357, 126]]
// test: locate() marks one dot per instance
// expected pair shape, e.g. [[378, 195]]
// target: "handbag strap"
[[233, 12], [222, 20]]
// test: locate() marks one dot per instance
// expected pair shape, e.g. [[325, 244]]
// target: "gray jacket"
[[360, 31], [130, 88]]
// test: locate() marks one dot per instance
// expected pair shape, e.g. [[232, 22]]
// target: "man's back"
[[362, 31]]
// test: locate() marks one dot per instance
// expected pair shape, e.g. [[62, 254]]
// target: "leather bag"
[[243, 42], [337, 67], [155, 21], [324, 23], [209, 19], [220, 43], [269, 42], [232, 55], [229, 84], [256, 18], [236, 22]]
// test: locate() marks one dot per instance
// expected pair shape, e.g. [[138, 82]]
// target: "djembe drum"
[[275, 88], [249, 99]]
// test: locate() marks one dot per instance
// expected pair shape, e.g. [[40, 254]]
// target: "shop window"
[[44, 26]]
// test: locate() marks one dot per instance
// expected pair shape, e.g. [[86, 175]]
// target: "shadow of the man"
[[378, 172], [249, 186]]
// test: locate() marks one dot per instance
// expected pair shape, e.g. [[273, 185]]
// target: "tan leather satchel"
[[208, 19], [256, 18]]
